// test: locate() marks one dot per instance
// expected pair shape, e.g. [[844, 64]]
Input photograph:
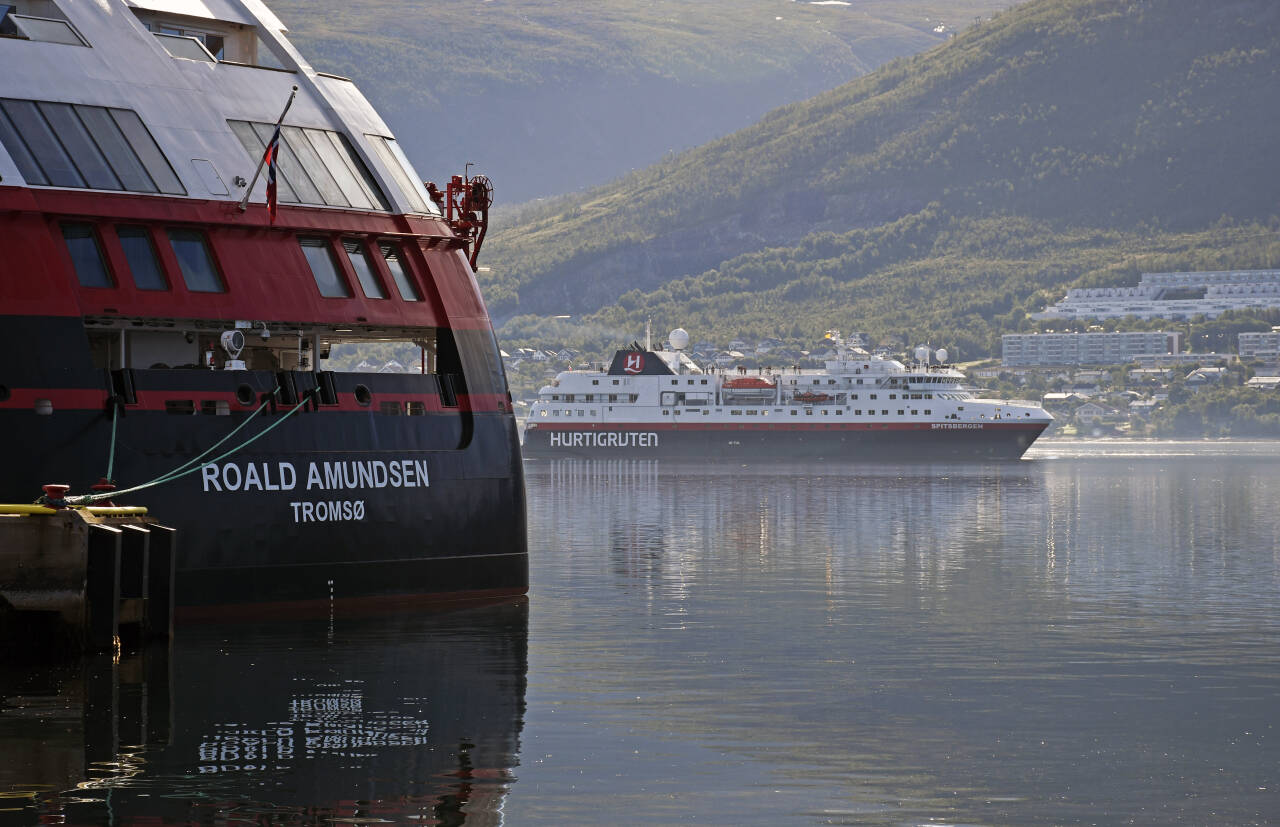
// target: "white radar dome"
[[942, 354], [679, 338], [922, 354]]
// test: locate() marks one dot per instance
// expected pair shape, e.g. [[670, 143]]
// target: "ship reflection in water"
[[405, 719]]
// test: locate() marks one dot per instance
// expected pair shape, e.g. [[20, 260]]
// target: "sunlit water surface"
[[1091, 635]]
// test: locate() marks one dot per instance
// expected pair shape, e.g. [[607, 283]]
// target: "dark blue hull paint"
[[365, 532]]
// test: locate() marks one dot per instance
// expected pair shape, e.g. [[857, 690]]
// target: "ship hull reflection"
[[405, 717]]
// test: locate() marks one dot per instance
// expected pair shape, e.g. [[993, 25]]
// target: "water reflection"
[[405, 718], [1087, 638]]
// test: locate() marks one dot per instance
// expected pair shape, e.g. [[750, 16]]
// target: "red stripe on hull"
[[798, 426]]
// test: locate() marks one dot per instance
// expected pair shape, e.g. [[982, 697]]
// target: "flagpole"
[[244, 202]]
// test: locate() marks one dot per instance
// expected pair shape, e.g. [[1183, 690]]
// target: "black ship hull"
[[328, 506], [894, 442]]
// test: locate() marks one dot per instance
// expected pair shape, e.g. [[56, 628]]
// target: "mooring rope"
[[111, 453], [185, 468]]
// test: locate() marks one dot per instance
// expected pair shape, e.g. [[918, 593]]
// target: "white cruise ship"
[[859, 406]]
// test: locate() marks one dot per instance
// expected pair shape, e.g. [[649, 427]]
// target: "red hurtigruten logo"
[[634, 363]]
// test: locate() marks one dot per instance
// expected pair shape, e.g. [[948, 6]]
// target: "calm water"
[[1091, 635]]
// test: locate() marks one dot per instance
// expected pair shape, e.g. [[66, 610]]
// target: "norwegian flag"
[[269, 158]]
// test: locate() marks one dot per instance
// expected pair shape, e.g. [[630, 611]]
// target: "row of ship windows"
[[222, 407], [751, 412], [195, 261], [106, 148], [915, 379], [613, 397]]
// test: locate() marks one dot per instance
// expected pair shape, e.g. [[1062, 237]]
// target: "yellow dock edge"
[[95, 510]]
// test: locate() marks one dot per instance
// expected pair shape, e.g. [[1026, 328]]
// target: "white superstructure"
[[194, 72], [857, 387]]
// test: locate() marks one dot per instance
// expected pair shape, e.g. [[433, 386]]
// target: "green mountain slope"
[[1060, 138], [550, 97]]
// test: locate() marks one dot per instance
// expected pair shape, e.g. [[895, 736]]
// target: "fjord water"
[[1091, 635]]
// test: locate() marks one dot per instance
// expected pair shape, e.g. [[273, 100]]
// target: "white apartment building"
[[1260, 345], [1025, 349], [1174, 296]]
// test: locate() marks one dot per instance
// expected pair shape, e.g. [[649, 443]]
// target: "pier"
[[83, 579]]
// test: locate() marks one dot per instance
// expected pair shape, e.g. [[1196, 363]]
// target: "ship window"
[[324, 268], [123, 160], [316, 169], [289, 166], [795, 413], [401, 170], [196, 262], [885, 413], [407, 291], [25, 161], [364, 270], [316, 166], [141, 255], [82, 149], [86, 255], [148, 152], [46, 30], [184, 46], [928, 412], [334, 156], [56, 165], [915, 413], [873, 396], [858, 412]]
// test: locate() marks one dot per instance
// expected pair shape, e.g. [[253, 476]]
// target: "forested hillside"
[[549, 97], [1062, 142]]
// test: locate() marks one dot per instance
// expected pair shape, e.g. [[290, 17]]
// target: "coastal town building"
[[1174, 296], [1025, 349], [1265, 346]]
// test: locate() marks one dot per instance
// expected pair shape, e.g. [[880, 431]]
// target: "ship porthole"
[[363, 395], [244, 395], [4, 393]]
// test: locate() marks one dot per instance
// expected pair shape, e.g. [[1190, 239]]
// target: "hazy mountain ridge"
[[550, 97], [1138, 122]]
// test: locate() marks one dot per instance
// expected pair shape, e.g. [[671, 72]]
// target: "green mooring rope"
[[111, 454], [185, 468]]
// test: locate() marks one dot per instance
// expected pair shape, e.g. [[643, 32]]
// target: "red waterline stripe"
[[818, 427]]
